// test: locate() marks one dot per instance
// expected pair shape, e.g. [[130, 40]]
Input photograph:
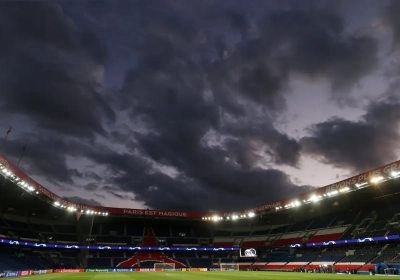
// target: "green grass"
[[223, 275]]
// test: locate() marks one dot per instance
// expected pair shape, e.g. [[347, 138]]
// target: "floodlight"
[[376, 179]]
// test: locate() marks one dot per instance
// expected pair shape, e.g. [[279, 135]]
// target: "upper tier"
[[361, 181]]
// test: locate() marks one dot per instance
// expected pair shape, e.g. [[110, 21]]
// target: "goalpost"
[[164, 267], [229, 267]]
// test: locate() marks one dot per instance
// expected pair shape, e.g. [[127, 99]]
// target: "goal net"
[[229, 266], [164, 267]]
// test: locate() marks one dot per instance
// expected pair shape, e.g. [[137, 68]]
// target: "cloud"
[[91, 187], [44, 156], [51, 70], [92, 175], [99, 195], [78, 199], [312, 43], [357, 145], [182, 95], [194, 123], [207, 180]]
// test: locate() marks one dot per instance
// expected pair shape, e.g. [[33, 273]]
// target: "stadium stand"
[[281, 237]]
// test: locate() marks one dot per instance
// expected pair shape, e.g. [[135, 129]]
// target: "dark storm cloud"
[[209, 183], [99, 195], [43, 157], [78, 199], [206, 85], [93, 176], [188, 84], [91, 187], [317, 47], [306, 42], [51, 69], [262, 137], [361, 145]]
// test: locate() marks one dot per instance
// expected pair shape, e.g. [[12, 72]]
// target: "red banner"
[[383, 171], [25, 273], [360, 179]]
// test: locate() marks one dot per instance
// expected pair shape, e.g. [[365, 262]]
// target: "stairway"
[[149, 240]]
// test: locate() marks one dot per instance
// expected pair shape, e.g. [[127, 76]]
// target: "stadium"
[[350, 227]]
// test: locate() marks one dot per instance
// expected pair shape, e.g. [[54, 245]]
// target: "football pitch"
[[218, 275]]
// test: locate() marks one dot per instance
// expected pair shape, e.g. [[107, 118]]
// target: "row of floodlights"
[[91, 212], [233, 217], [29, 188], [73, 209], [314, 198], [16, 180]]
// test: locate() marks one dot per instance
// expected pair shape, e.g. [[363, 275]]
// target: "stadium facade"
[[352, 225]]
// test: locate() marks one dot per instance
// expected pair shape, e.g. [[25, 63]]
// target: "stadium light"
[[395, 174], [314, 198], [335, 192], [6, 171], [345, 189], [376, 179], [361, 184], [56, 203], [251, 215]]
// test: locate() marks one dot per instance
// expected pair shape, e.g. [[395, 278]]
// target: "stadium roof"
[[17, 202], [359, 189]]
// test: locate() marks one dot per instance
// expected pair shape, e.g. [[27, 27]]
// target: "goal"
[[164, 267], [229, 266]]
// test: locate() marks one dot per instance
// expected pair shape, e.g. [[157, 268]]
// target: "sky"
[[198, 105]]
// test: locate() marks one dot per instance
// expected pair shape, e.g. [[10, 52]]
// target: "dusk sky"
[[197, 104]]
